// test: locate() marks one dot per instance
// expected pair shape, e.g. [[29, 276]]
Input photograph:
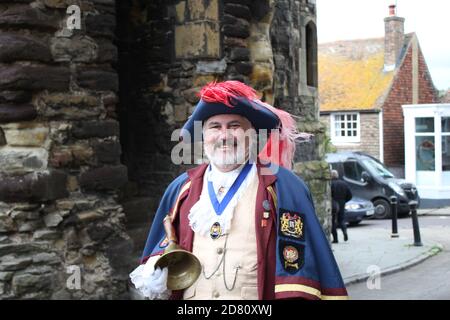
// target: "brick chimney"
[[393, 39]]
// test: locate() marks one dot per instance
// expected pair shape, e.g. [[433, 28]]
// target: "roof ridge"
[[352, 40]]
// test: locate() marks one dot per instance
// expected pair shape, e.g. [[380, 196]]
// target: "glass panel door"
[[425, 153]]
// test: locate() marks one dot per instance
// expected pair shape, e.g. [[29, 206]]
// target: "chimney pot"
[[392, 10]]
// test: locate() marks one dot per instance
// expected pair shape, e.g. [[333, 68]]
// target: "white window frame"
[[345, 139], [443, 136], [435, 134]]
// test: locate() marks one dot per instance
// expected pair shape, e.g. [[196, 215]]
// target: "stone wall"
[[86, 118], [291, 93], [60, 153]]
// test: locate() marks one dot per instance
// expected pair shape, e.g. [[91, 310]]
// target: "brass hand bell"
[[184, 267]]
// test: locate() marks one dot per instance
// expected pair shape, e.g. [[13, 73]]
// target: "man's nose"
[[224, 133]]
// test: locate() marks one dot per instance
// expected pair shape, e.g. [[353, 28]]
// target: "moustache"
[[226, 143]]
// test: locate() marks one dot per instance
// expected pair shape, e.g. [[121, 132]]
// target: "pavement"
[[371, 251], [443, 211]]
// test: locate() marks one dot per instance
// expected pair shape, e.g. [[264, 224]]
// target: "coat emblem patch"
[[164, 243], [292, 225], [292, 256]]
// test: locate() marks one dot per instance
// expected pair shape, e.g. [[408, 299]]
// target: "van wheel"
[[382, 209]]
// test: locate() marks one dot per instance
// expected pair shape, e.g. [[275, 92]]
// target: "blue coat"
[[294, 256]]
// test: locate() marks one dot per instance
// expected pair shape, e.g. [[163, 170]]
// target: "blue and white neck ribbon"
[[219, 207]]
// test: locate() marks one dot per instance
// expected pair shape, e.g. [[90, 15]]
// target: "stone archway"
[[152, 104]]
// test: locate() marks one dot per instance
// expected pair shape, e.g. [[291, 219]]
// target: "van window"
[[377, 169], [353, 170]]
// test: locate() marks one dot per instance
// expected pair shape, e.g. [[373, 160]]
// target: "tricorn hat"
[[234, 97], [258, 115]]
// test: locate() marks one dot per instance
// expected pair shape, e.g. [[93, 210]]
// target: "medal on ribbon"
[[215, 230]]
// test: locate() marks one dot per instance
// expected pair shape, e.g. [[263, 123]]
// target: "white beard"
[[231, 157]]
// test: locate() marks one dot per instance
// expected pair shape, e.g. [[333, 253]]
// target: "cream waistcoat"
[[240, 252]]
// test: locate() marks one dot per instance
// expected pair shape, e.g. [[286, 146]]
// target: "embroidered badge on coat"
[[292, 256], [292, 224], [164, 243]]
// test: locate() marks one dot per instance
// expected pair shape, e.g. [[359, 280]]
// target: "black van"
[[369, 179]]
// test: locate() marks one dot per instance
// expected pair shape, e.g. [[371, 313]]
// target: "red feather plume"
[[224, 92]]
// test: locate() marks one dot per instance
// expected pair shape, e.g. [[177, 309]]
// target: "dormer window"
[[345, 128]]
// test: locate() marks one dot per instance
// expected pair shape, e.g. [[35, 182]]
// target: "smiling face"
[[226, 140]]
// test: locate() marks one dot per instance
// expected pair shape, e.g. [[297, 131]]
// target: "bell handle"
[[170, 231]]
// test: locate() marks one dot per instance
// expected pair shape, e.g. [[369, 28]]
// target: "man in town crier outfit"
[[247, 217]]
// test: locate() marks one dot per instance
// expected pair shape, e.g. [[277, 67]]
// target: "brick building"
[[89, 97], [445, 97], [364, 83]]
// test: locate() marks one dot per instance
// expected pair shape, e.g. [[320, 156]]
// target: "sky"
[[363, 19]]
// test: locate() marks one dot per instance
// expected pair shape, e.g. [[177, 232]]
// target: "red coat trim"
[[307, 282], [298, 280], [265, 239]]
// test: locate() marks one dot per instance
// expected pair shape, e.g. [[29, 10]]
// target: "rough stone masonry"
[[86, 117], [60, 153]]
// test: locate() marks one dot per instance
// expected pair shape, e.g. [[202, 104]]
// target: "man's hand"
[[151, 282]]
